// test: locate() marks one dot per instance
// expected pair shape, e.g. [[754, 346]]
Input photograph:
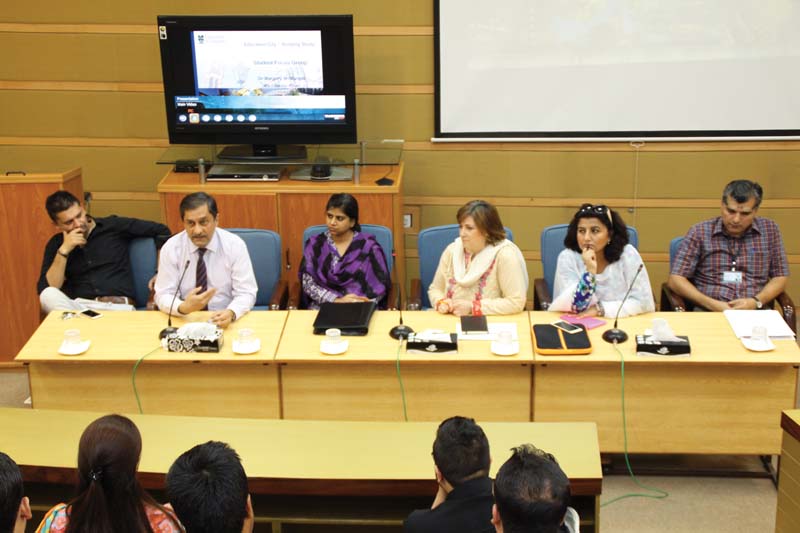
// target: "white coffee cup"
[[505, 337], [72, 337], [759, 334], [333, 335], [246, 336]]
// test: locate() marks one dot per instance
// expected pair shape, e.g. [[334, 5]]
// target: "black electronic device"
[[474, 325], [321, 167], [350, 318], [268, 82], [169, 330], [91, 313], [616, 335]]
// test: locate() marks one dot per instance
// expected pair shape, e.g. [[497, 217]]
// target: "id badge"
[[732, 276]]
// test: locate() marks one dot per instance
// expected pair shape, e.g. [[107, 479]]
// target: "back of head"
[[741, 191], [531, 492], [11, 493], [192, 201], [207, 488], [486, 219], [461, 450], [59, 201], [109, 495]]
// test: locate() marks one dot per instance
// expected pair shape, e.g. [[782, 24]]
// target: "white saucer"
[[334, 348], [505, 348], [74, 349], [246, 348], [763, 346]]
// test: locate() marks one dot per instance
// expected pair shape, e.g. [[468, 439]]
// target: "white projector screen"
[[617, 69]]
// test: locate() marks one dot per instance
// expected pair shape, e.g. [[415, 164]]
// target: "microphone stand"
[[401, 331], [169, 330], [616, 335]]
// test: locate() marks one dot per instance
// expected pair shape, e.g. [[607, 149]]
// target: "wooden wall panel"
[[233, 212], [367, 12]]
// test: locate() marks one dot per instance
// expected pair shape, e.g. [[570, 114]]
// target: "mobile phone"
[[567, 327], [91, 313]]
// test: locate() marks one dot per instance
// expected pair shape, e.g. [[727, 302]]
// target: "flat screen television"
[[265, 82]]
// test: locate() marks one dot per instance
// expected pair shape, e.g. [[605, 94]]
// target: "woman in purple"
[[343, 264]]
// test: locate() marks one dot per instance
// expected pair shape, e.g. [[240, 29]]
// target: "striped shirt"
[[707, 251]]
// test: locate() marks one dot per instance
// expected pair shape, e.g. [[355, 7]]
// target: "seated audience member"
[[481, 272], [89, 258], [597, 267], [463, 503], [109, 497], [734, 261], [15, 509], [531, 494], [207, 489], [219, 275], [343, 264]]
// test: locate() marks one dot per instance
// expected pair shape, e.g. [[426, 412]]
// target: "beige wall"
[[80, 86]]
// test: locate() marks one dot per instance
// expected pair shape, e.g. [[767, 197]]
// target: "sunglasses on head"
[[596, 210]]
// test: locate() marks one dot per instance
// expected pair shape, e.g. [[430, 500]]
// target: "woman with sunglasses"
[[597, 267]]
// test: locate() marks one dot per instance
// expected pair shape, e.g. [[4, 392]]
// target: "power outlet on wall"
[[407, 220]]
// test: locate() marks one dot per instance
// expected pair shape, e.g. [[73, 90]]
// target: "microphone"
[[169, 330], [616, 335], [400, 331]]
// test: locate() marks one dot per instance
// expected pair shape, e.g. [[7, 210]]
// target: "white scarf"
[[480, 262]]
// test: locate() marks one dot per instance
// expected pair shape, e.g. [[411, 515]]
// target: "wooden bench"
[[288, 461]]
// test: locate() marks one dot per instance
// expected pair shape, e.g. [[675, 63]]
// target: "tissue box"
[[647, 345]]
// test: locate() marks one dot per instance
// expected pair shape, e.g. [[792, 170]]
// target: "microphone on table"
[[616, 335], [400, 331], [169, 330]]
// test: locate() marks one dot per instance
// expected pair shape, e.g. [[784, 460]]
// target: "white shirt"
[[228, 269], [612, 284]]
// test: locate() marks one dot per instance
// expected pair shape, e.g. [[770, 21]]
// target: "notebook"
[[350, 318]]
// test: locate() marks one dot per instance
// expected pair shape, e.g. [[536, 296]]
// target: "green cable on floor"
[[659, 494], [400, 379], [133, 377]]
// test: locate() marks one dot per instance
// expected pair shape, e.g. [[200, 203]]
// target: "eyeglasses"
[[596, 210]]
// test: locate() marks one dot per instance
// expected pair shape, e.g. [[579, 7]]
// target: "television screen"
[[259, 80]]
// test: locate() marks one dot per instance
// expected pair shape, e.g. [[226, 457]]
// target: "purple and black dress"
[[325, 275]]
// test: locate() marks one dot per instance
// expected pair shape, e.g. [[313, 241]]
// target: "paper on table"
[[494, 330], [742, 322]]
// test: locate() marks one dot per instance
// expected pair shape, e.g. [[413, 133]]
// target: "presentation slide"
[[258, 63], [528, 66]]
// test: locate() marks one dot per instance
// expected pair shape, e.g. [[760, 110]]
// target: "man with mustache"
[[219, 276], [734, 261], [88, 259]]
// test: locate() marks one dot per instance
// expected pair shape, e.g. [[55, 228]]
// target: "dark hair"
[[742, 190], [486, 218], [610, 219], [531, 492], [207, 487], [109, 497], [59, 201], [461, 450], [11, 493], [348, 204], [198, 199]]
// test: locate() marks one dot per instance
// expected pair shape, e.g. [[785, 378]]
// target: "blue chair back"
[[431, 243], [382, 234], [264, 247], [144, 261], [552, 243], [674, 244]]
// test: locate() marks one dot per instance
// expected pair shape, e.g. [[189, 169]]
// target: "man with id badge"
[[734, 261]]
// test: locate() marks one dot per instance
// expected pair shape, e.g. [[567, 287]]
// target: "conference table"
[[206, 384], [721, 399]]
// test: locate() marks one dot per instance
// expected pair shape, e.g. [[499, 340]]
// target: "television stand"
[[265, 152]]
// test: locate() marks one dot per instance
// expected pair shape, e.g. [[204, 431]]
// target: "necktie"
[[201, 277]]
